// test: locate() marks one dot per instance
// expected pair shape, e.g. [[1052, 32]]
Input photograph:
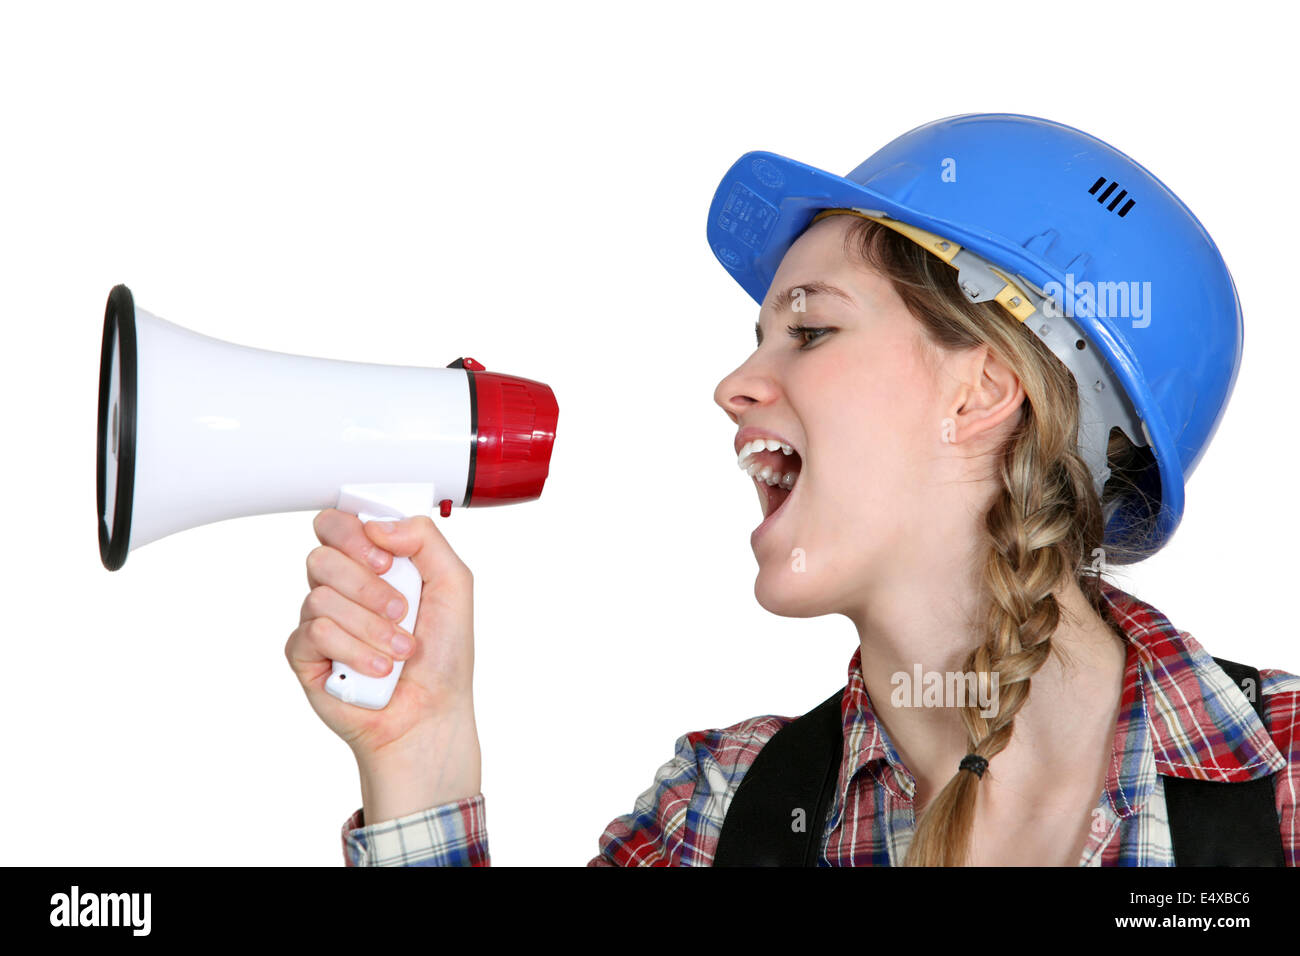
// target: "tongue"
[[780, 463]]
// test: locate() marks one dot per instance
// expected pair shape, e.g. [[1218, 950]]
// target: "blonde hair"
[[1045, 523]]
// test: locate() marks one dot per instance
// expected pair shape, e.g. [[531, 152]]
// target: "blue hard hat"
[[1040, 212]]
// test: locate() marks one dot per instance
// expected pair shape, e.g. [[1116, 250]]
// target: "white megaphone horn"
[[194, 430]]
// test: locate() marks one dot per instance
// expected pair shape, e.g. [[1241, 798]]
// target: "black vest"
[[1210, 823]]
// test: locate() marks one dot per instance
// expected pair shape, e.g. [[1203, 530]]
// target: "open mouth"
[[774, 466]]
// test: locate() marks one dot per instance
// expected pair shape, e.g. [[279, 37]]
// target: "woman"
[[953, 422]]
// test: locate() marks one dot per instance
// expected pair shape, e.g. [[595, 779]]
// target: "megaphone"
[[194, 430]]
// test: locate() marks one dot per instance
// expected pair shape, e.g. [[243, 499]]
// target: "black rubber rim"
[[119, 321]]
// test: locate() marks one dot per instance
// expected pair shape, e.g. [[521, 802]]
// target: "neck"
[[932, 622]]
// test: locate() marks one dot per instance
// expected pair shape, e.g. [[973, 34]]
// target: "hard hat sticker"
[[748, 216]]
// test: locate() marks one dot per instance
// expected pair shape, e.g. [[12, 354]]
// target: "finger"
[[381, 633], [329, 567], [321, 639], [342, 531], [419, 539]]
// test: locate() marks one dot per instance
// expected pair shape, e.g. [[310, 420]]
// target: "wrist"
[[427, 768]]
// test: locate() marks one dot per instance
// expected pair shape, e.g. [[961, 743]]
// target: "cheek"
[[870, 416]]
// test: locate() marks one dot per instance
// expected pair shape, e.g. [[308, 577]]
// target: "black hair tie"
[[975, 764]]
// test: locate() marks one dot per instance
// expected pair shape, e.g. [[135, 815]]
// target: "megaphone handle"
[[363, 690], [373, 693]]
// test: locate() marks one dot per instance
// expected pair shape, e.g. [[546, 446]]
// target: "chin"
[[789, 593]]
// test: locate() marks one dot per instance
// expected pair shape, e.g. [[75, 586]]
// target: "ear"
[[987, 392]]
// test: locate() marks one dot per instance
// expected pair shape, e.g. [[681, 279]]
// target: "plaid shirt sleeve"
[[453, 834]]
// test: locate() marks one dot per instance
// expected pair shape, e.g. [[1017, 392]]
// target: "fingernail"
[[401, 643], [376, 558], [380, 665], [395, 609], [385, 526]]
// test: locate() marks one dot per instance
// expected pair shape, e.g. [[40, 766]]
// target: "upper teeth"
[[765, 473]]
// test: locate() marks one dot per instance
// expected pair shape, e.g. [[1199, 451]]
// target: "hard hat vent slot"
[[1111, 186]]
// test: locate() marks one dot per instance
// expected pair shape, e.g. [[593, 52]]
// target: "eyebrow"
[[783, 301]]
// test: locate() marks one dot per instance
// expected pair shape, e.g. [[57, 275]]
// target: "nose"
[[746, 387]]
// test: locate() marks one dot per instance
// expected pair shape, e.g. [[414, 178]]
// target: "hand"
[[428, 726]]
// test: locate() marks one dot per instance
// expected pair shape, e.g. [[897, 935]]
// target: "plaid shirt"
[[1180, 715]]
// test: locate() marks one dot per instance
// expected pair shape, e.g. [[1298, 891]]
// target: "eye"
[[808, 333]]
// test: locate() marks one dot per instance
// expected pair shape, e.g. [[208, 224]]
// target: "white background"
[[526, 184]]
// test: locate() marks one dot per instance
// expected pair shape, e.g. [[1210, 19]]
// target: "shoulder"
[[1281, 693], [725, 753], [1209, 716], [716, 760], [677, 820], [1279, 682], [708, 765]]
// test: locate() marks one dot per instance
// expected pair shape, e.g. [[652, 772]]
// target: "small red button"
[[473, 365], [444, 507]]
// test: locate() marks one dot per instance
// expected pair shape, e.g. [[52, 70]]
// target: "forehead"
[[817, 258], [823, 241]]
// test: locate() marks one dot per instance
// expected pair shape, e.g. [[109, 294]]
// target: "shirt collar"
[[1180, 715]]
